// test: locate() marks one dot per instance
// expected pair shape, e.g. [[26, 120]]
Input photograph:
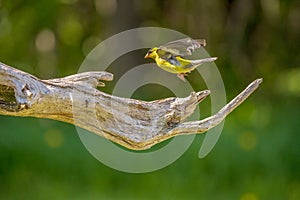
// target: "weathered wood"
[[132, 123]]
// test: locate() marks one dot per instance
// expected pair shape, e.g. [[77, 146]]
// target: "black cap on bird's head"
[[151, 53]]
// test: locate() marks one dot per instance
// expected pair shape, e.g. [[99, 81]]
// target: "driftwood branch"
[[132, 123]]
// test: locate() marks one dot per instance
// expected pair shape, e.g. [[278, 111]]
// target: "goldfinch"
[[169, 57]]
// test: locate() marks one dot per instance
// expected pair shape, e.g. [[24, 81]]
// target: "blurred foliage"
[[257, 157]]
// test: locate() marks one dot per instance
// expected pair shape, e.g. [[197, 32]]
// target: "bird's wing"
[[183, 47], [166, 55]]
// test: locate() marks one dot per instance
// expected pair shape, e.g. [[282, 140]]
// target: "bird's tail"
[[204, 60]]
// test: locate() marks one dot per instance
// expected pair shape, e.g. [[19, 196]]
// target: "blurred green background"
[[257, 156]]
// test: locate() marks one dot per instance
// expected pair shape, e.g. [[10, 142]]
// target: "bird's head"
[[152, 53]]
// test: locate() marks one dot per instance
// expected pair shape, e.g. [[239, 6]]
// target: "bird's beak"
[[147, 56]]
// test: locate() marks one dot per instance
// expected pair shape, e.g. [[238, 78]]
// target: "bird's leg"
[[181, 76]]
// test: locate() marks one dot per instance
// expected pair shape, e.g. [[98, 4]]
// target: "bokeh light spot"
[[247, 141], [249, 196], [271, 8], [45, 41], [71, 31], [288, 82], [106, 7], [54, 138]]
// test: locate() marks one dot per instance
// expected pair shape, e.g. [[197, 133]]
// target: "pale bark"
[[132, 123]]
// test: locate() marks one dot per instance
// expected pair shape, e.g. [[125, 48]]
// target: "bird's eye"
[[150, 52]]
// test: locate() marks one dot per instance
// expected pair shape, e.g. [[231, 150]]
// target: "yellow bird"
[[169, 57]]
